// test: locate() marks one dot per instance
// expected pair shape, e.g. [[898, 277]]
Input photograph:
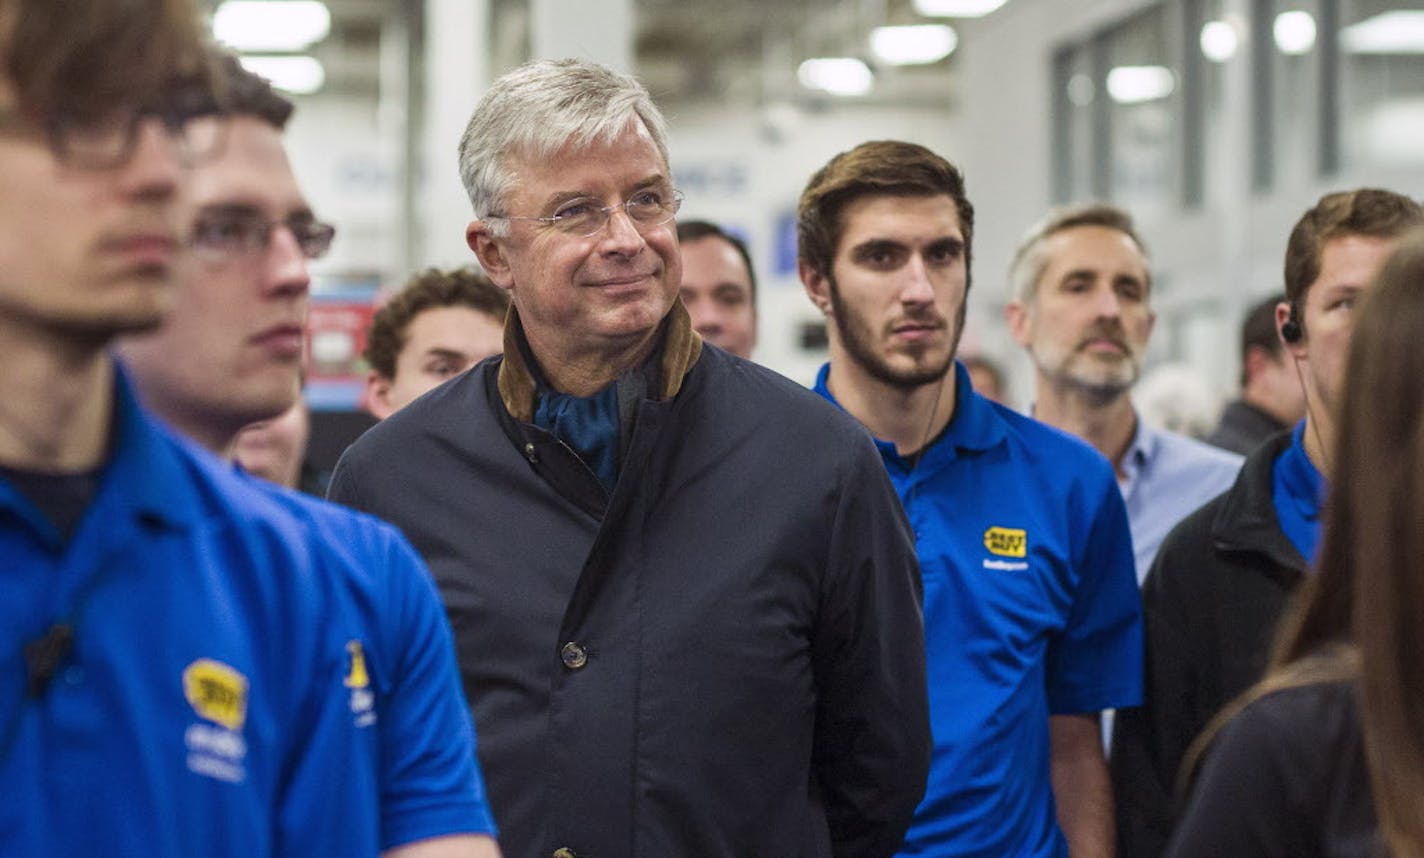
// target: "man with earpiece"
[[1223, 576], [1032, 619]]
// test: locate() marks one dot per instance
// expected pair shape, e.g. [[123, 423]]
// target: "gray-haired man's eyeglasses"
[[584, 217]]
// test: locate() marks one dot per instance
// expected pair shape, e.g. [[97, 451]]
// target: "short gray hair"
[[539, 108], [1030, 260]]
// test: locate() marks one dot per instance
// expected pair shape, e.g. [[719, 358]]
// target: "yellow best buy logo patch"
[[1006, 541], [217, 692], [356, 675]]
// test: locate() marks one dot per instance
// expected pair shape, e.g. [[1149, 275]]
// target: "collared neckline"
[[974, 426], [141, 477], [677, 353], [1303, 482], [1140, 452]]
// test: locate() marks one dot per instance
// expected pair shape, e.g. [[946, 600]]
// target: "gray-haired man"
[[684, 597]]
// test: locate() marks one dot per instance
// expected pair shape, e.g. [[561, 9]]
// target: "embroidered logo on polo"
[[1006, 542], [218, 694], [363, 702]]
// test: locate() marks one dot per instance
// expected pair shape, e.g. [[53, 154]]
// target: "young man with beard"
[[230, 354], [1081, 306], [1031, 612], [1226, 573]]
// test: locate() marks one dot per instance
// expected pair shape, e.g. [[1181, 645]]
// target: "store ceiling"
[[739, 52]]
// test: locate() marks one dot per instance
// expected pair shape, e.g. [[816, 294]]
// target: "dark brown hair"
[[878, 168], [696, 230], [1366, 211], [430, 289], [248, 94], [1258, 331], [79, 59]]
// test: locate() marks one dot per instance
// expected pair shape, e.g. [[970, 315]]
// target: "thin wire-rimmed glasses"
[[584, 217], [224, 234], [108, 141]]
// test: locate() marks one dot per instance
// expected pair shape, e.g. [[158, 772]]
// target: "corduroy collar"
[[680, 348]]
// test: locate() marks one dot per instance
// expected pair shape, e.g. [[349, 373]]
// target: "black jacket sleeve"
[[872, 741], [1149, 741]]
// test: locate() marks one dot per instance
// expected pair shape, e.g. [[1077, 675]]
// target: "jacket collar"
[[1246, 520], [678, 352]]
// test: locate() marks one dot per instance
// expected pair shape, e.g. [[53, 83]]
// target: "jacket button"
[[529, 452], [564, 852], [574, 657]]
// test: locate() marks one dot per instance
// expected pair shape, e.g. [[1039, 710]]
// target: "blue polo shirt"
[[202, 709], [1031, 610], [1298, 494], [406, 701]]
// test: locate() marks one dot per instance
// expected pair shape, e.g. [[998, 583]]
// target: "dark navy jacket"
[[724, 658]]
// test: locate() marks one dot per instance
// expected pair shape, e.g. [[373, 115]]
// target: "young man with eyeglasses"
[[229, 355], [684, 596], [170, 681]]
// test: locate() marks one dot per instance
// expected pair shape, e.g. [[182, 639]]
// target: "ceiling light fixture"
[[1137, 84], [1294, 32], [1219, 41], [271, 25], [915, 44], [836, 75], [956, 8], [1398, 32], [300, 75]]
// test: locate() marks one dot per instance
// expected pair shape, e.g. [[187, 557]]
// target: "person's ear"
[[817, 285], [1290, 329], [378, 395], [489, 250], [1016, 315]]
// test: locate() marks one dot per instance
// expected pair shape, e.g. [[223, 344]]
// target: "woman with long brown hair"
[[1325, 756]]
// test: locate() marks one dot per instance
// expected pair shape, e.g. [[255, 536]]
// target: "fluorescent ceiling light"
[[1219, 41], [956, 8], [1294, 32], [271, 25], [297, 75], [1136, 84], [915, 44], [836, 75], [1397, 32]]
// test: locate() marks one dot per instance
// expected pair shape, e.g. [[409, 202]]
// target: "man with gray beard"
[[1081, 306]]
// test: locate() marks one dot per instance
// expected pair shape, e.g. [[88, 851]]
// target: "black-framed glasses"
[[225, 234], [108, 141], [583, 217]]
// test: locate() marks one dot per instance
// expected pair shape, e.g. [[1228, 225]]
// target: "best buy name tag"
[[1006, 541]]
